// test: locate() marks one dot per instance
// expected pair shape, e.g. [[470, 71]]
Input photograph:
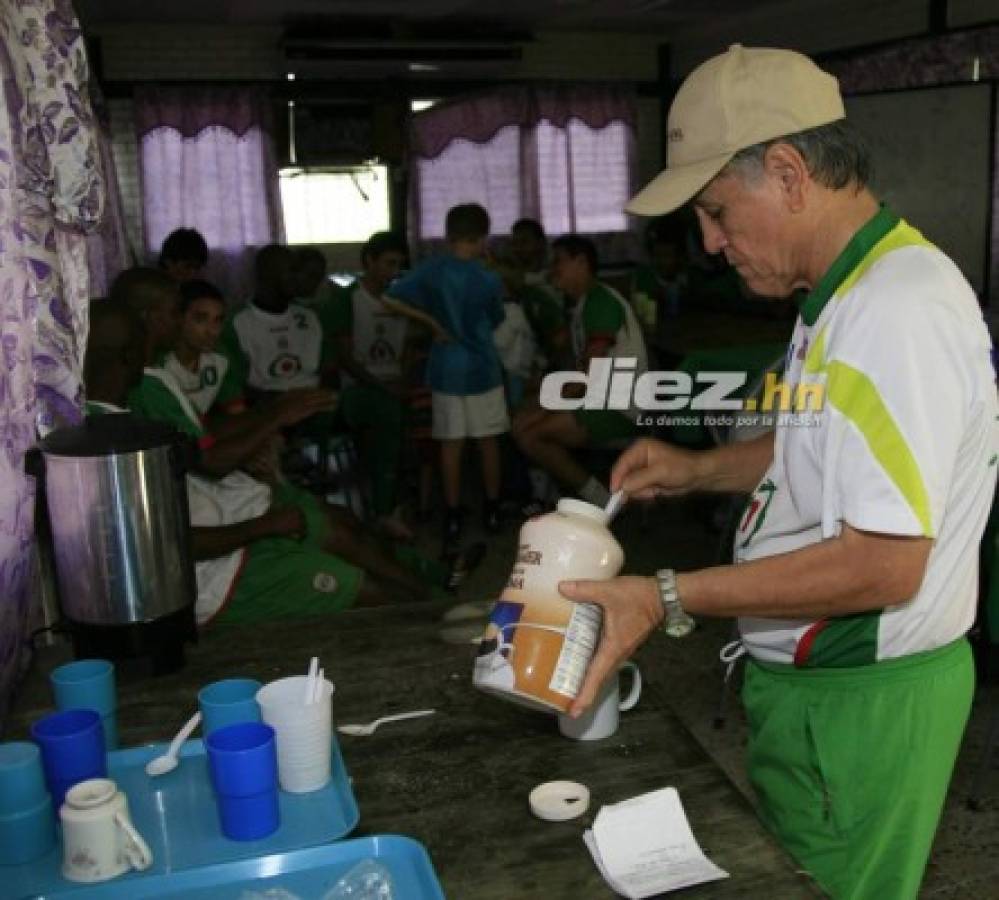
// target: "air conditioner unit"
[[370, 60]]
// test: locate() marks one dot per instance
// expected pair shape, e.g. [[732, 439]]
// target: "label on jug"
[[578, 648], [537, 646]]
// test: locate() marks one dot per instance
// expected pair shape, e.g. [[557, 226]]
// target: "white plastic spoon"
[[613, 506], [168, 761], [365, 730]]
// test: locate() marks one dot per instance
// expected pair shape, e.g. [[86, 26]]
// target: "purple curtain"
[[107, 248], [478, 118], [562, 154], [206, 161], [51, 196], [948, 59]]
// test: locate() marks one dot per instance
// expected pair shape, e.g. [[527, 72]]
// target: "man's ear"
[[787, 167]]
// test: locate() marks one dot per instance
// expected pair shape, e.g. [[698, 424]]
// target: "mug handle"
[[636, 687], [136, 849]]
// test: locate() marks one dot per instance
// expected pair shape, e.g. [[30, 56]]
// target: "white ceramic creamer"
[[538, 644]]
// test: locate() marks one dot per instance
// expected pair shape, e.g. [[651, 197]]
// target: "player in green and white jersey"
[[332, 561], [274, 344], [601, 324], [367, 340], [204, 374]]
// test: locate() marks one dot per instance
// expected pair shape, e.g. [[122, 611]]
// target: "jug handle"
[[136, 849]]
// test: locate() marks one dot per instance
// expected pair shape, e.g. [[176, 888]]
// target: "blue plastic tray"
[[176, 815], [308, 874]]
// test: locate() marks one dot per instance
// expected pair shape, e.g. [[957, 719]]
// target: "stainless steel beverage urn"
[[117, 510]]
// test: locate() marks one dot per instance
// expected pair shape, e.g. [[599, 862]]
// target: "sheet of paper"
[[591, 845], [644, 846]]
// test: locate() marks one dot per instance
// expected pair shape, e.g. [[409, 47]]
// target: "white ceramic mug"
[[601, 719], [98, 837]]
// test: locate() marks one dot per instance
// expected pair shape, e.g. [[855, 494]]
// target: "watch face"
[[679, 627]]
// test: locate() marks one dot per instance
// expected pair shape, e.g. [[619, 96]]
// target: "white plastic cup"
[[304, 732]]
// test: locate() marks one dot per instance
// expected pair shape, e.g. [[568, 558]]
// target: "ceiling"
[[619, 15]]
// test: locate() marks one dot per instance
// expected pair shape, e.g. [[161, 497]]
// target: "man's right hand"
[[284, 521], [650, 469], [296, 405]]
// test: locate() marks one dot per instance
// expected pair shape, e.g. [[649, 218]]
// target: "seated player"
[[368, 341], [184, 254], [309, 277], [369, 570], [601, 324], [204, 374], [659, 287], [273, 343]]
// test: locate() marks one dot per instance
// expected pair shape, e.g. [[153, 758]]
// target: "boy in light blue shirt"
[[464, 301]]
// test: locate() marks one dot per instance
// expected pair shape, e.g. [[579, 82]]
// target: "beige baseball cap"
[[739, 98]]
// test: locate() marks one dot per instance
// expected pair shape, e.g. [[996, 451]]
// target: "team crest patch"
[[325, 583], [286, 365]]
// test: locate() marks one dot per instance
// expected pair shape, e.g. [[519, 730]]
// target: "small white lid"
[[573, 507], [559, 801]]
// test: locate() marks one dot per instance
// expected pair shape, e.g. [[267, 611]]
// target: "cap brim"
[[673, 187]]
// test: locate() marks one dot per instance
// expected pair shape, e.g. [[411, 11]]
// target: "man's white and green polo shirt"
[[905, 444]]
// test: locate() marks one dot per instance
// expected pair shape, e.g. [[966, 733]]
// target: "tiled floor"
[[965, 860]]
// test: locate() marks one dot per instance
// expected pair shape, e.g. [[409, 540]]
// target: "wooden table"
[[458, 781]]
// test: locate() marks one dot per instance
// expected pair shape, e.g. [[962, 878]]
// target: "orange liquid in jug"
[[538, 644]]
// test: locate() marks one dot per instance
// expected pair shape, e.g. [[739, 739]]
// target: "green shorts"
[[851, 765], [603, 426], [316, 529], [283, 578]]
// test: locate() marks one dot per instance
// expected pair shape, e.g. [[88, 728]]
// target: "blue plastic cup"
[[228, 702], [28, 834], [22, 779], [88, 684], [72, 747], [242, 762]]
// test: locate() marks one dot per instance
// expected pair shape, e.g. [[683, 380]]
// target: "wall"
[[963, 13], [811, 26], [169, 52]]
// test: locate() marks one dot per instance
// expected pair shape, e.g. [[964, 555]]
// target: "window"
[[420, 105], [467, 172], [334, 205], [583, 177], [576, 177]]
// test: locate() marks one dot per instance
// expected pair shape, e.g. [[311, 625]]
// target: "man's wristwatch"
[[678, 624]]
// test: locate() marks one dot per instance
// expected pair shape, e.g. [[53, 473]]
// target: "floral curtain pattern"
[[51, 195], [108, 250]]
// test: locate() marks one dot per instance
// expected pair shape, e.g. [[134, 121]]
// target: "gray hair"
[[836, 155]]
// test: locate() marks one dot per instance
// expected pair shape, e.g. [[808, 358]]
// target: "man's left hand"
[[632, 610]]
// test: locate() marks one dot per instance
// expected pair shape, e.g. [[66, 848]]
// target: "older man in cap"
[[856, 559]]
